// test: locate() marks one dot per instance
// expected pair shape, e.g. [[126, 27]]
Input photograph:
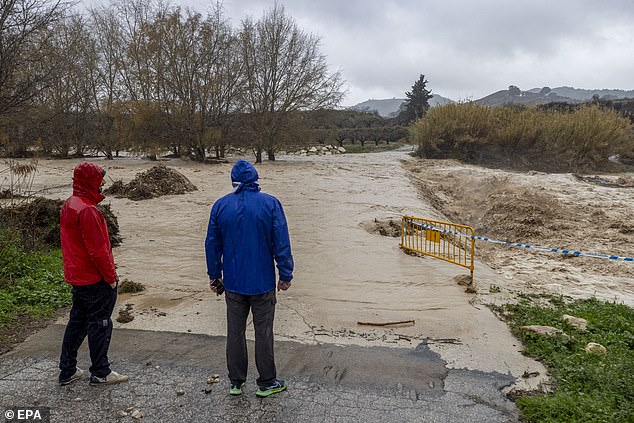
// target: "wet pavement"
[[327, 383]]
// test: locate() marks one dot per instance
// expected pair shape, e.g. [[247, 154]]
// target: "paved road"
[[327, 383]]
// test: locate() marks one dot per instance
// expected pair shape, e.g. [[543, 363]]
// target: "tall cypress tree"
[[417, 101]]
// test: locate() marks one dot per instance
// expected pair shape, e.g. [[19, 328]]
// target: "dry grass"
[[524, 137], [16, 180]]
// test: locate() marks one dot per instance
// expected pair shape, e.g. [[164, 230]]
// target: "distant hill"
[[534, 96], [523, 97], [584, 95], [386, 107], [390, 107]]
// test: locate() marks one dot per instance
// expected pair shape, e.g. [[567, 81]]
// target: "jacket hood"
[[244, 172], [87, 179]]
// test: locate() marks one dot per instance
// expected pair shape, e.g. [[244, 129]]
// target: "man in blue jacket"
[[247, 232]]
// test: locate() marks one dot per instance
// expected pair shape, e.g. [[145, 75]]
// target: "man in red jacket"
[[89, 268]]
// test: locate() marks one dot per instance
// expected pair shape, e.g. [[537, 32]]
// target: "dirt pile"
[[561, 211], [112, 223], [492, 204], [518, 216], [37, 221], [390, 227], [127, 286], [155, 182], [125, 314]]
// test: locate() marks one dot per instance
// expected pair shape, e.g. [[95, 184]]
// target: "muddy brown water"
[[344, 273]]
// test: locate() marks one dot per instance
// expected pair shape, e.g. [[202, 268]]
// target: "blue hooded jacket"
[[247, 231]]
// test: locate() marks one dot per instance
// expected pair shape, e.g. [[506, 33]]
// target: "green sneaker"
[[274, 388], [236, 389]]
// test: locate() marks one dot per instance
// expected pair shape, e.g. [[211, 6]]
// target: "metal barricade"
[[443, 240]]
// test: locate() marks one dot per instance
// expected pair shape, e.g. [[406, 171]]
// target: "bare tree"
[[284, 72], [66, 105], [194, 68], [136, 72], [24, 25], [109, 94], [220, 80], [146, 73], [184, 65], [143, 75]]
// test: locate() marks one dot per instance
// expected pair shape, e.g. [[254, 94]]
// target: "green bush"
[[589, 387], [524, 137], [31, 282]]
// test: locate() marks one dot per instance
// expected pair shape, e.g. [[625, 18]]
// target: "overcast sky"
[[466, 48]]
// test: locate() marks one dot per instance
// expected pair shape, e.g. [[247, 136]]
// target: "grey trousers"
[[263, 308]]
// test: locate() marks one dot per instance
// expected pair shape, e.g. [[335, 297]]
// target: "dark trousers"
[[89, 315], [263, 309]]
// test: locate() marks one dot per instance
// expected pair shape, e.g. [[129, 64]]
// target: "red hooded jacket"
[[86, 250]]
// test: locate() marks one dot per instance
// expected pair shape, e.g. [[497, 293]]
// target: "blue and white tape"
[[520, 245]]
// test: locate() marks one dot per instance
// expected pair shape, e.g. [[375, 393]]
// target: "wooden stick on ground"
[[401, 322]]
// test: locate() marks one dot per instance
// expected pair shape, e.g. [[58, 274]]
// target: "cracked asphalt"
[[327, 383]]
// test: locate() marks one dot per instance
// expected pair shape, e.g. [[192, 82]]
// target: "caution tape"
[[526, 246]]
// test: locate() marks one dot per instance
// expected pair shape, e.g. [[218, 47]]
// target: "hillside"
[[390, 107], [545, 95], [524, 97], [534, 96], [584, 94]]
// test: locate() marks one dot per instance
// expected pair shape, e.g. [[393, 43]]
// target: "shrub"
[[579, 139]]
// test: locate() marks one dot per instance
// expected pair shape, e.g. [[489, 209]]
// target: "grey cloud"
[[465, 48]]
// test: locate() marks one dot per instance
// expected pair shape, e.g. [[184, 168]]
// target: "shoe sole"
[[107, 383], [68, 382], [269, 392], [71, 380]]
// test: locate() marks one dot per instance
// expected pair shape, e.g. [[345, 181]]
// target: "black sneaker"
[[79, 373], [274, 388]]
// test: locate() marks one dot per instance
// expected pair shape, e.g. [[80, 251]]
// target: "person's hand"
[[283, 285], [216, 286], [114, 284]]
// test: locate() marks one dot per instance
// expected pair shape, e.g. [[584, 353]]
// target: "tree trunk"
[[220, 150], [271, 155], [199, 151], [258, 156]]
